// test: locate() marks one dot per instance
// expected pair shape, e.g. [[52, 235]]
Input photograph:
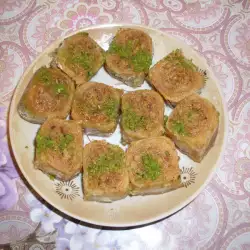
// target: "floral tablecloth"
[[219, 29]]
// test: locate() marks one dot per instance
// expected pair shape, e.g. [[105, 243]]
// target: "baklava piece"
[[142, 115], [97, 106], [58, 148], [105, 177], [176, 77], [193, 126], [48, 94], [80, 57], [129, 56], [153, 166]]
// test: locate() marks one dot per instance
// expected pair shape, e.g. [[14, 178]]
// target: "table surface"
[[219, 218]]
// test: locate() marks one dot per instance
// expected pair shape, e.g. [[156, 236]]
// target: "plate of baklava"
[[118, 125]]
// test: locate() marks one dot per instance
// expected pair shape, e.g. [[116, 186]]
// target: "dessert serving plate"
[[131, 211]]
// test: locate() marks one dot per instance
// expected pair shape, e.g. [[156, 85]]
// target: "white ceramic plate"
[[67, 196]]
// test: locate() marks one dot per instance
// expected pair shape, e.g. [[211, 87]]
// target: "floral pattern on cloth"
[[81, 237], [243, 40], [9, 5], [8, 192], [7, 69], [83, 16]]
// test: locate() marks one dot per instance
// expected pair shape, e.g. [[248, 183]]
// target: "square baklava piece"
[[193, 126], [142, 115], [58, 148], [97, 106]]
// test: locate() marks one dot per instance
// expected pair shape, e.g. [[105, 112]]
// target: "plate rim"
[[152, 219]]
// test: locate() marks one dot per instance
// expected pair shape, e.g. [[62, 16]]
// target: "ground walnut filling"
[[110, 161], [92, 106], [44, 143], [180, 73], [139, 59], [178, 79], [38, 99]]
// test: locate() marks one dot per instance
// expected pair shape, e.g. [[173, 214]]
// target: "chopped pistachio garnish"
[[151, 168], [44, 75], [60, 88], [52, 177], [65, 140], [83, 59], [140, 61], [122, 51], [44, 142], [178, 127], [110, 108], [178, 58], [132, 121], [165, 119], [90, 74], [108, 162]]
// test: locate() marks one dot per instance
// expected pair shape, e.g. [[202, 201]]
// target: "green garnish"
[[65, 140], [177, 58], [165, 119], [83, 59], [60, 88], [26, 147], [90, 74], [141, 61], [44, 142], [108, 162], [122, 51], [132, 121], [178, 127], [44, 75], [151, 168], [110, 108], [52, 177]]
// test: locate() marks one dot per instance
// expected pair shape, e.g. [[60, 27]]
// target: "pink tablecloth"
[[220, 29]]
